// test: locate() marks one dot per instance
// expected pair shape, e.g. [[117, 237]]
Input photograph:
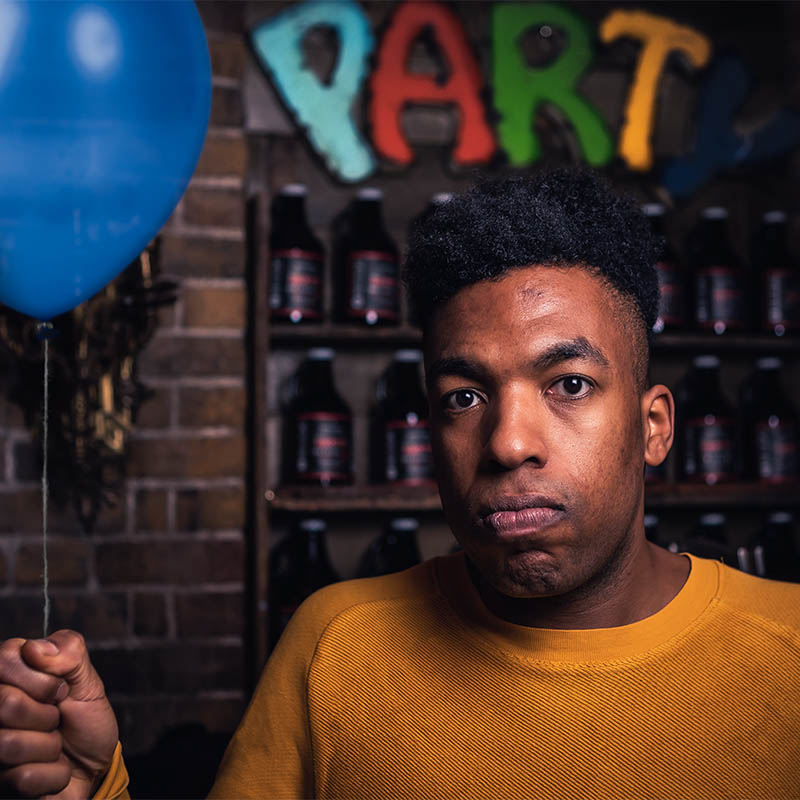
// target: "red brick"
[[228, 57], [212, 258], [219, 208], [216, 614], [11, 415], [66, 559], [188, 458], [27, 461], [193, 357], [183, 563], [226, 108], [184, 669], [223, 156], [206, 307], [112, 515], [151, 510], [210, 509], [22, 616], [155, 411], [21, 512], [97, 616], [200, 407], [150, 615]]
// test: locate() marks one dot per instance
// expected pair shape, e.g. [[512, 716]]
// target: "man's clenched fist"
[[57, 729]]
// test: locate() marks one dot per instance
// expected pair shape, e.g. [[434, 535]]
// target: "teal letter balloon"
[[323, 110]]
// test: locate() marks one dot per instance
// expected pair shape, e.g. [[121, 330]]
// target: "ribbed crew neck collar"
[[579, 646]]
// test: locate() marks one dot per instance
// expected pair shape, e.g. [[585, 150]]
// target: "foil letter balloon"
[[103, 113]]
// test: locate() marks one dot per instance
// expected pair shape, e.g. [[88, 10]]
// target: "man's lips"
[[511, 515]]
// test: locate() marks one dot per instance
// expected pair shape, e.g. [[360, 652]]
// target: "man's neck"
[[640, 586]]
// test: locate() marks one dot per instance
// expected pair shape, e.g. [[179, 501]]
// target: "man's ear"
[[658, 420]]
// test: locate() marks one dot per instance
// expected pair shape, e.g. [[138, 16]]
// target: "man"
[[559, 654]]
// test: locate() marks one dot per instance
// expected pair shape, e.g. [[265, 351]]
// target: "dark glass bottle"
[[720, 290], [299, 565], [319, 427], [780, 277], [370, 284], [403, 455], [775, 553], [707, 427], [671, 279], [394, 550], [297, 259], [770, 440]]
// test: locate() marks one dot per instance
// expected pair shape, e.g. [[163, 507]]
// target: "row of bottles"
[[318, 434], [365, 262], [713, 291], [715, 443], [718, 443], [300, 563], [770, 552]]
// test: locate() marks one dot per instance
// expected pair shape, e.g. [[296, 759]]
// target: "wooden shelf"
[[344, 335], [310, 499]]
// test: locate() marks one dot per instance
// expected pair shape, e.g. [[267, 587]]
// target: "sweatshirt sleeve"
[[270, 753], [115, 783]]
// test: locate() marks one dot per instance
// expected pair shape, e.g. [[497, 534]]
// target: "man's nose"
[[515, 432]]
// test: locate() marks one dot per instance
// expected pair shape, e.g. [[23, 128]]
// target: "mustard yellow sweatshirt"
[[406, 686]]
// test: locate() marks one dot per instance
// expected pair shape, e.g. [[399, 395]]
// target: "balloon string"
[[44, 491]]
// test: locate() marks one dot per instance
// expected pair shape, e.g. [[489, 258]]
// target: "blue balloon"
[[103, 112]]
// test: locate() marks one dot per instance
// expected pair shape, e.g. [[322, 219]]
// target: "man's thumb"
[[64, 655]]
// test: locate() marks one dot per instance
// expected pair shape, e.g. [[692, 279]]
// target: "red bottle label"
[[670, 286], [324, 446], [720, 302], [781, 301], [710, 449], [409, 455], [373, 286], [295, 287], [776, 451]]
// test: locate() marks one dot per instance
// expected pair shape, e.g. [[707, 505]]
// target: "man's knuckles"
[[15, 672], [24, 747], [19, 710]]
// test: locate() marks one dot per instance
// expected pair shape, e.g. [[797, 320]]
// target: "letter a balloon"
[[103, 112]]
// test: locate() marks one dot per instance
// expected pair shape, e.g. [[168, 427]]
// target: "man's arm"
[[58, 732]]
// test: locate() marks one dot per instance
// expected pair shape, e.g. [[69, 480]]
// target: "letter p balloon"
[[103, 113]]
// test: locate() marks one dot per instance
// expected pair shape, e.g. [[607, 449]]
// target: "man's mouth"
[[515, 515]]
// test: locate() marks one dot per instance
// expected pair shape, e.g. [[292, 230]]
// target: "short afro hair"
[[567, 216]]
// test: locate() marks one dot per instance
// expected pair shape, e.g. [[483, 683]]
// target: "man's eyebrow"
[[578, 348], [456, 366]]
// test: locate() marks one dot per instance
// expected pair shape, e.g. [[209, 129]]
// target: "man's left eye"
[[572, 386]]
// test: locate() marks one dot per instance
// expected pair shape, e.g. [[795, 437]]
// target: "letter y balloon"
[[103, 113]]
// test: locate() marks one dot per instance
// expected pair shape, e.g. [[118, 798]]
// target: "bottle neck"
[[294, 209], [367, 214]]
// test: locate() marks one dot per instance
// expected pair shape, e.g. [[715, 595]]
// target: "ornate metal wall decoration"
[[94, 390]]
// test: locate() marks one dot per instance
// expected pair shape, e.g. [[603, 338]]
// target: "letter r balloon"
[[519, 89], [323, 110]]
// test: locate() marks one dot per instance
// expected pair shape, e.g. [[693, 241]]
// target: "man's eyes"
[[569, 387]]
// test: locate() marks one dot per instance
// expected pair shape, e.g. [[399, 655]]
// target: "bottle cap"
[[404, 524], [440, 198], [769, 362], [313, 525], [369, 193], [712, 519], [715, 212], [771, 217], [780, 517], [294, 190], [653, 209], [408, 356], [320, 354], [706, 362]]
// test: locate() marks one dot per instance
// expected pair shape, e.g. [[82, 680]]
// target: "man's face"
[[538, 427]]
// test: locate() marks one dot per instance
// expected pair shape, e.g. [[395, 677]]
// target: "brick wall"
[[158, 589]]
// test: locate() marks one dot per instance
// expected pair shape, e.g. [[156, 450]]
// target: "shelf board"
[[312, 499], [344, 335]]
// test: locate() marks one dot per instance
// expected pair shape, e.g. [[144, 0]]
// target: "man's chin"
[[525, 575]]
